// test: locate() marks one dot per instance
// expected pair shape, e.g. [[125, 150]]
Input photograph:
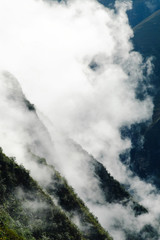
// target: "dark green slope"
[[29, 213], [71, 204], [19, 214], [57, 187], [114, 192], [74, 206], [40, 142]]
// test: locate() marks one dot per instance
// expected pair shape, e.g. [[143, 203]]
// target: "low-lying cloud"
[[152, 5], [75, 61]]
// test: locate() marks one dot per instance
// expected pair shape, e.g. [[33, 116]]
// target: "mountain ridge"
[[57, 187], [19, 178]]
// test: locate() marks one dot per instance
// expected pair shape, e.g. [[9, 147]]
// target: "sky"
[[75, 62]]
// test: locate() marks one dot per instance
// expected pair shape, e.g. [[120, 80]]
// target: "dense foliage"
[[26, 211], [73, 205]]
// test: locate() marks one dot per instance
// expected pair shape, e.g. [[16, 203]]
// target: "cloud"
[[152, 5], [50, 54], [75, 61]]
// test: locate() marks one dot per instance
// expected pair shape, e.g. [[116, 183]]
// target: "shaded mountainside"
[[41, 143], [145, 161], [19, 193], [114, 192], [71, 204], [40, 209], [27, 212], [146, 40], [31, 210], [141, 9], [75, 209]]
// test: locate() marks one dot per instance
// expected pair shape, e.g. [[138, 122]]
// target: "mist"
[[152, 5], [75, 62]]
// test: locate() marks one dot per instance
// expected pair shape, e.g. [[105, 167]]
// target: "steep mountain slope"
[[146, 40], [145, 160], [42, 205], [28, 211], [32, 138], [112, 190], [36, 145], [39, 143], [141, 9]]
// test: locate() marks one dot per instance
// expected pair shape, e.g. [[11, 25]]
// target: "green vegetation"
[[73, 205], [28, 213], [20, 216], [30, 106], [114, 192]]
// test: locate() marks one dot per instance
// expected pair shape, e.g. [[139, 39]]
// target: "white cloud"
[[152, 5], [49, 48]]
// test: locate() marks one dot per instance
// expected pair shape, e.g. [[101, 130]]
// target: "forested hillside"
[[80, 120], [28, 212]]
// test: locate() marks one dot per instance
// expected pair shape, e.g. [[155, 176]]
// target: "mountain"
[[37, 150], [145, 159], [146, 40], [141, 9], [34, 138], [28, 212], [50, 185]]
